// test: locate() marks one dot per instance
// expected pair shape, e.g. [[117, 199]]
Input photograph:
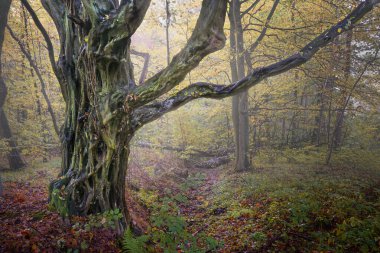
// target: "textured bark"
[[14, 157], [96, 131]]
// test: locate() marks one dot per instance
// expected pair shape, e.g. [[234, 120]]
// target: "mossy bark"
[[97, 131], [95, 142]]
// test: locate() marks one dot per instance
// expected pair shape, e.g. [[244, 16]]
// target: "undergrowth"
[[169, 230], [321, 209]]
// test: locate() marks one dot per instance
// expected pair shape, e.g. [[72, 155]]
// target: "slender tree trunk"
[[25, 38], [347, 70], [229, 140], [144, 71], [329, 111], [330, 135], [319, 119], [168, 16], [240, 115], [254, 141], [14, 156], [283, 131]]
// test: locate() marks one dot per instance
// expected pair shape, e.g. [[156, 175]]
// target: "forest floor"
[[28, 224], [280, 206], [287, 208]]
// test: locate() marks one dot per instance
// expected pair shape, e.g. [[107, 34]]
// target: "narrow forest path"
[[206, 213], [197, 209]]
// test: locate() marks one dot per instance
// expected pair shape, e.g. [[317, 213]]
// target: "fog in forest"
[[189, 126]]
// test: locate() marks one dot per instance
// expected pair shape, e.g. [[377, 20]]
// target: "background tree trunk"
[[167, 26], [240, 117], [346, 63], [14, 157]]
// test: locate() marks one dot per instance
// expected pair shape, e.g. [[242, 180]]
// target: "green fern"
[[132, 244]]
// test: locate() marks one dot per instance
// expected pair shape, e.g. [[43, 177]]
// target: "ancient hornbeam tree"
[[104, 104]]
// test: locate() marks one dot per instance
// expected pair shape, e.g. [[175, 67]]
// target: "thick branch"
[[133, 12], [112, 29], [207, 38], [153, 111], [43, 85]]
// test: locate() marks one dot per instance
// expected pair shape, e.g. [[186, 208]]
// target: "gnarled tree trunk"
[[102, 96], [97, 128]]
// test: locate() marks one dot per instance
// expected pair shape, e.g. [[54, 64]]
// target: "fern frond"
[[132, 244]]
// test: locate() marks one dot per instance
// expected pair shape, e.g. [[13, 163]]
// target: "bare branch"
[[253, 5], [39, 75], [253, 47], [49, 45], [56, 10]]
